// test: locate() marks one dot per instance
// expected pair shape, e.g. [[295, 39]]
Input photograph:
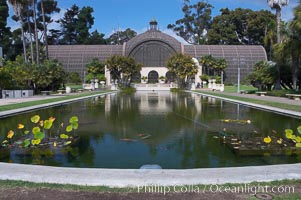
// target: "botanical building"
[[153, 48]]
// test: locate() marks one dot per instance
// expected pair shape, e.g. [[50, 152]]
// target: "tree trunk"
[[45, 30], [23, 39], [295, 70], [278, 15], [36, 32], [30, 38], [277, 85]]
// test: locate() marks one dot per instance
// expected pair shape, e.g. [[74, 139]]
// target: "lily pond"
[[173, 130]]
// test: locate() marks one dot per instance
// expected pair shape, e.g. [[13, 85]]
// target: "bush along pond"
[[257, 145], [40, 138]]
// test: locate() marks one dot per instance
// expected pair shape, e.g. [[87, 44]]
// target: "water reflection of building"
[[154, 102]]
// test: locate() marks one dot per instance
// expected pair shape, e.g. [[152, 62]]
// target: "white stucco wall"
[[161, 71]]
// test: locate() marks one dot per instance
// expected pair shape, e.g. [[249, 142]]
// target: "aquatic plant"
[[40, 133], [289, 134]]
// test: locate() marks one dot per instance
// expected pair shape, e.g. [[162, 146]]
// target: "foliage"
[[120, 37], [50, 75], [213, 66], [241, 26], [195, 23], [263, 75], [69, 24], [39, 132], [100, 77], [20, 75], [144, 78], [5, 34], [184, 68], [84, 24], [95, 67], [122, 68], [96, 38], [74, 77], [162, 77], [76, 24]]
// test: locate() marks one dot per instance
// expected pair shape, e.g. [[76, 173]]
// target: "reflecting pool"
[[173, 130]]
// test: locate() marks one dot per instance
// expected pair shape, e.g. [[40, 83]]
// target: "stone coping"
[[147, 177]]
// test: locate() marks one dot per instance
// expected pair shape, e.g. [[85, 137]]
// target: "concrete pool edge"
[[139, 178], [254, 105]]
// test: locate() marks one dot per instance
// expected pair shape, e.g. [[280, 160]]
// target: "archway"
[[153, 77], [136, 77], [170, 76]]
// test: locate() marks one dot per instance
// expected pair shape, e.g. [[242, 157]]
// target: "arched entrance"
[[136, 77], [170, 76], [153, 77]]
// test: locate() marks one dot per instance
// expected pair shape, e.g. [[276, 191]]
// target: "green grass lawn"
[[44, 101], [257, 101], [233, 89]]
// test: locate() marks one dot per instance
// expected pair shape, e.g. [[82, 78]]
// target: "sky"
[[111, 15]]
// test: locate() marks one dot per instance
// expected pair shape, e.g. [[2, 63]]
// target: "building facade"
[[153, 48]]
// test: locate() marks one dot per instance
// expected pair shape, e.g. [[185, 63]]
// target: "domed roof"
[[153, 35]]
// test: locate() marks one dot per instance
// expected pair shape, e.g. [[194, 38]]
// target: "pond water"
[[173, 130]]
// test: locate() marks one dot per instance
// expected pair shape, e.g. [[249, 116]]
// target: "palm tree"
[[295, 44], [18, 7], [36, 31], [277, 4]]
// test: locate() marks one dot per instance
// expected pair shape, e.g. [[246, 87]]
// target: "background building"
[[153, 48]]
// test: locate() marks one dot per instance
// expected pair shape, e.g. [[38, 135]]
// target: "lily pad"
[[35, 142], [299, 129], [36, 130], [64, 136], [39, 135], [74, 125], [73, 119], [288, 135], [26, 143], [67, 143], [47, 124], [69, 128], [35, 119], [26, 132]]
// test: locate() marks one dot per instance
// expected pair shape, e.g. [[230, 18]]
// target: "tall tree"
[[184, 68], [34, 3], [122, 68], [45, 9], [96, 38], [295, 44], [84, 24], [120, 37], [17, 6], [240, 26], [277, 5], [194, 24], [4, 30], [69, 24]]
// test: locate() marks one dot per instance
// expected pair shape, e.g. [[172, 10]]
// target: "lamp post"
[[238, 75]]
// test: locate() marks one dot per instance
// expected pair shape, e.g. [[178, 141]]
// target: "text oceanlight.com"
[[244, 188]]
